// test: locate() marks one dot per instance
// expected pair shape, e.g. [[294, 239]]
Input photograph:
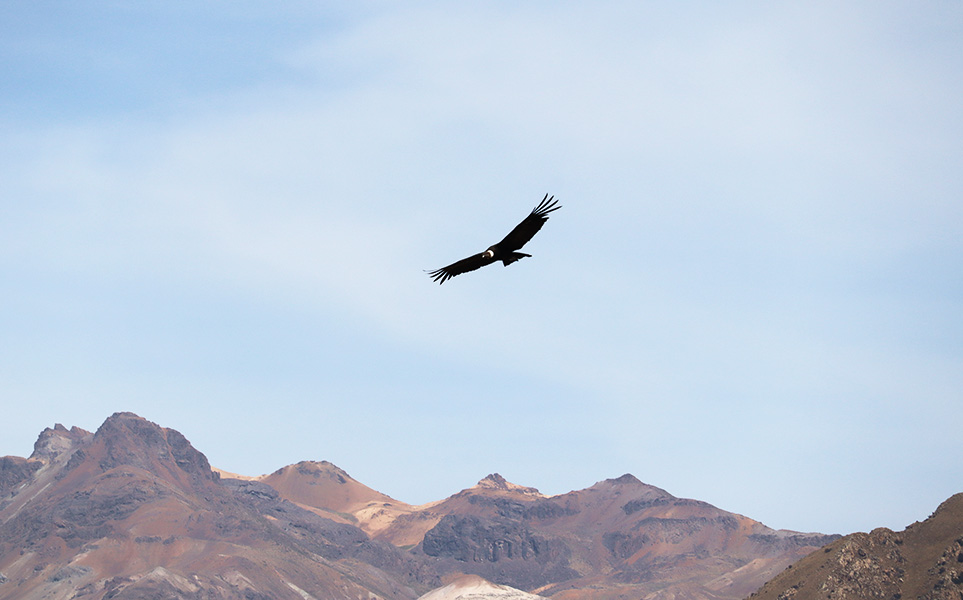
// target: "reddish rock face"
[[134, 510], [618, 537]]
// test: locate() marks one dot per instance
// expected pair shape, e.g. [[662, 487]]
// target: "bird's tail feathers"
[[513, 257]]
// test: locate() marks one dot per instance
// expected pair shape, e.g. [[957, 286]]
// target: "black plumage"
[[505, 250]]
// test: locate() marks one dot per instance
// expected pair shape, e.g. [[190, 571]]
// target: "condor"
[[505, 250]]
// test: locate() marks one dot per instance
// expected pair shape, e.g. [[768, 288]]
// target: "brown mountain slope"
[[16, 471], [924, 561], [618, 538], [322, 484], [408, 529], [330, 492], [134, 511]]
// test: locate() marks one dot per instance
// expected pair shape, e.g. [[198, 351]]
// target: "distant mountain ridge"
[[133, 510], [618, 536]]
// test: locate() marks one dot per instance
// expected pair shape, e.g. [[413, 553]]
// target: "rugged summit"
[[135, 511], [924, 561], [620, 537], [53, 442]]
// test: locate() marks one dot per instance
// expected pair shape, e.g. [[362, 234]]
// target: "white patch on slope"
[[473, 587], [304, 594]]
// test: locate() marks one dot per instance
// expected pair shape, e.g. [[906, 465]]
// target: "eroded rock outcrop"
[[135, 511], [924, 561]]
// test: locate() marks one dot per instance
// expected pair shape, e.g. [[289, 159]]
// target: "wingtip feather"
[[547, 205], [439, 275]]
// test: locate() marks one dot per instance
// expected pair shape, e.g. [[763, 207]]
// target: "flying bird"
[[505, 250]]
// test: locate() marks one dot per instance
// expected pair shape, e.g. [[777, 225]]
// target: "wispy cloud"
[[755, 263]]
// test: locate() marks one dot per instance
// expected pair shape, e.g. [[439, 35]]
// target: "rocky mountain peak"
[[327, 488], [627, 479], [630, 486], [322, 468], [496, 482], [134, 511], [494, 479], [53, 442], [127, 439], [951, 508]]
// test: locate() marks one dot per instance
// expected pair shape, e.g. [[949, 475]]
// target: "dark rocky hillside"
[[133, 510], [924, 562], [618, 538]]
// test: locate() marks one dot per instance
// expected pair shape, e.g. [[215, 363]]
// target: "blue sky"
[[217, 215]]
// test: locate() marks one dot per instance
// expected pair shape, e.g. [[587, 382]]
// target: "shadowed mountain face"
[[135, 511], [618, 538], [923, 561]]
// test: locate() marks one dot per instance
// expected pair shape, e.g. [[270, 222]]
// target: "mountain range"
[[135, 511]]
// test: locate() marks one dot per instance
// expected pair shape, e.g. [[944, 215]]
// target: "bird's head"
[[488, 253]]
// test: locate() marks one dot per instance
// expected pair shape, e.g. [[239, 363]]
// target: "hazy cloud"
[[751, 295]]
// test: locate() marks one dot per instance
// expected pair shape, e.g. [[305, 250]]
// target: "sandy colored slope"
[[473, 587], [329, 491]]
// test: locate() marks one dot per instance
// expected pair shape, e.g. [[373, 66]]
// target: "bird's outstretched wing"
[[462, 266], [529, 226]]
